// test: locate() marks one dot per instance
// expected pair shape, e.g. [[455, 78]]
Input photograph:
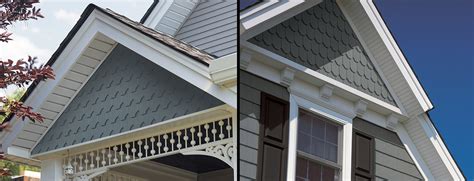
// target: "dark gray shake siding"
[[125, 93], [392, 161], [251, 87], [321, 39], [212, 27]]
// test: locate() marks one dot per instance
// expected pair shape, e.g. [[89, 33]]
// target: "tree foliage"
[[22, 72]]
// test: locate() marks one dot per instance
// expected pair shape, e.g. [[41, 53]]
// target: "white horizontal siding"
[[65, 90], [212, 27], [175, 16]]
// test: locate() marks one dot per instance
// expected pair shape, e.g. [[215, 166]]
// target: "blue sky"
[[42, 37], [437, 38]]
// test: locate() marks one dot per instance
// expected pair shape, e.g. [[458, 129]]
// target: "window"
[[318, 148]]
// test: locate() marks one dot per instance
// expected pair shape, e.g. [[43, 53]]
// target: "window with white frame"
[[319, 145]]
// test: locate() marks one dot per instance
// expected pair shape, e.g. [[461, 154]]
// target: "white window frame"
[[345, 152]]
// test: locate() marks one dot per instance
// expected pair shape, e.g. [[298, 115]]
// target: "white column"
[[235, 132], [292, 140], [52, 170], [347, 151]]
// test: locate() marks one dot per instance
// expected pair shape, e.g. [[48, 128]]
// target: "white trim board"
[[297, 103], [302, 71], [267, 14], [99, 23]]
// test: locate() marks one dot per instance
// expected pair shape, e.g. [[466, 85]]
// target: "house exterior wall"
[[251, 88], [177, 13], [126, 92], [321, 39], [212, 27], [391, 159]]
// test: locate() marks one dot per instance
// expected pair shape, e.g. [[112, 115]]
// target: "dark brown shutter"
[[362, 157], [273, 145]]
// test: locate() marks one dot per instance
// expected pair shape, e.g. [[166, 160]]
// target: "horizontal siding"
[[251, 88], [391, 157], [212, 27], [176, 15]]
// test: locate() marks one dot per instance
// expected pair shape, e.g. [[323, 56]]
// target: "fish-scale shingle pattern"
[[321, 39], [125, 93]]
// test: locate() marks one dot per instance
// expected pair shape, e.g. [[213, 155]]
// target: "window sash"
[[339, 140], [317, 159]]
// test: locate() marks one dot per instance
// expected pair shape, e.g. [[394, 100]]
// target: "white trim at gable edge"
[[99, 23]]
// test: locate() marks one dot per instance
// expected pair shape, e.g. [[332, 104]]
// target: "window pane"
[[304, 142], [318, 128], [304, 124], [328, 173], [301, 168], [317, 147], [331, 133], [322, 140], [330, 152], [314, 172]]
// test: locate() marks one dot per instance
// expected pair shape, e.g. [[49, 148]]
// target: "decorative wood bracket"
[[224, 152], [360, 108], [392, 121], [326, 92], [89, 176], [287, 76], [245, 59]]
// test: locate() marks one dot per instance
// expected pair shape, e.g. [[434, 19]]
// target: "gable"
[[212, 27], [321, 39], [125, 93]]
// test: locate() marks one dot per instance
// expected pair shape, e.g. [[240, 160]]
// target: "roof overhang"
[[266, 14], [89, 43], [383, 50]]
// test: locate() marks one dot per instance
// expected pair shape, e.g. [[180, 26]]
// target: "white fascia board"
[[414, 153], [396, 53], [270, 13], [440, 147], [304, 70], [223, 70], [18, 152], [72, 51], [157, 13], [164, 56]]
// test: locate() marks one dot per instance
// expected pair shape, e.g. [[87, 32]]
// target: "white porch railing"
[[211, 138]]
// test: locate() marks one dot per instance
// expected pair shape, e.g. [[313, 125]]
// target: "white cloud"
[[67, 16], [21, 47], [35, 30]]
